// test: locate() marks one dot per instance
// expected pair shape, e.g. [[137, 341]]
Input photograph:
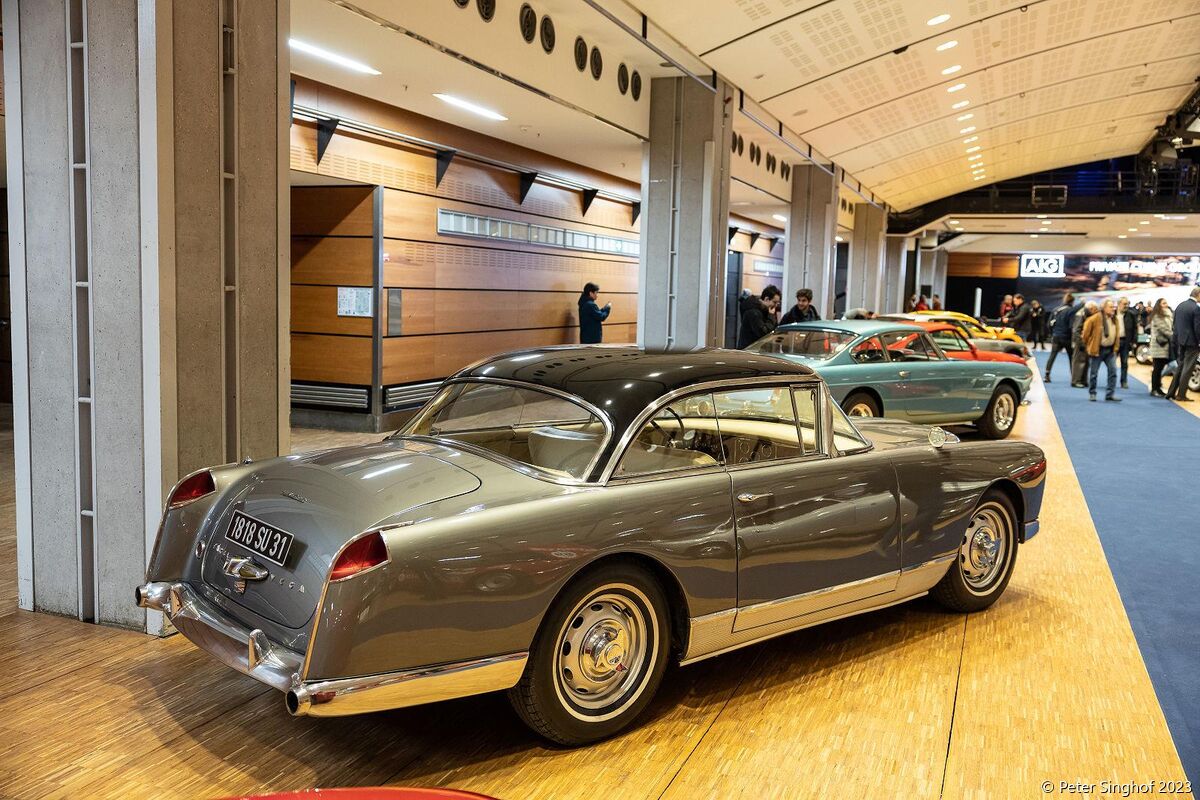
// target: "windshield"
[[551, 433], [810, 343]]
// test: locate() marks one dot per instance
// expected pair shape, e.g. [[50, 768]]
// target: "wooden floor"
[[910, 702]]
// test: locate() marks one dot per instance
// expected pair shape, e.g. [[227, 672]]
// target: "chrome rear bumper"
[[251, 653]]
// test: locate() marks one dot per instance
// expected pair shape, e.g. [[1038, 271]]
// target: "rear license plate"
[[259, 538]]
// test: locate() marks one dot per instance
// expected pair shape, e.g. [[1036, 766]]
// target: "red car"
[[955, 345]]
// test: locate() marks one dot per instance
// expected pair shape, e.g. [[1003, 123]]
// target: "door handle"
[[904, 373], [750, 497]]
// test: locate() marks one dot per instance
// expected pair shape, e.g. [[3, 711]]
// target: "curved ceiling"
[[1034, 85]]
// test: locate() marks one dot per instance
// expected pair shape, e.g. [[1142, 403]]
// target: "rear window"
[[816, 344]]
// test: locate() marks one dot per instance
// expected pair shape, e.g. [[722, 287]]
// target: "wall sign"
[[1042, 265], [354, 301]]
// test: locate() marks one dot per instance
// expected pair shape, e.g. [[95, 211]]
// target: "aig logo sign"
[[1041, 265]]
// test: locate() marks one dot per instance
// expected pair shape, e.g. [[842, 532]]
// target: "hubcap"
[[602, 651], [985, 547], [861, 410], [1004, 411]]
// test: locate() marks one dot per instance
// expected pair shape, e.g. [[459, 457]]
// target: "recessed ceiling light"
[[967, 129], [1133, 230], [332, 58], [970, 139], [1041, 216], [965, 117], [979, 177], [1033, 236], [1047, 222], [973, 149], [961, 104], [954, 222], [1144, 222], [947, 45], [838, 239], [974, 157], [938, 20], [779, 217], [1122, 236], [952, 70], [956, 87], [467, 105]]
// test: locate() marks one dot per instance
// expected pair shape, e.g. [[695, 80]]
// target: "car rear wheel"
[[598, 658], [1142, 354], [985, 559], [1001, 415], [861, 404]]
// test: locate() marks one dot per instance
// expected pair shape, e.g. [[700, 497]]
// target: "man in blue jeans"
[[1101, 337], [1060, 330]]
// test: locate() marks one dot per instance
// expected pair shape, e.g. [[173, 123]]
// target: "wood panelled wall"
[[464, 297], [982, 265], [763, 248]]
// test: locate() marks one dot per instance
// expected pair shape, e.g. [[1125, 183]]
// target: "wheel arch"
[[1012, 384], [870, 392], [1010, 490]]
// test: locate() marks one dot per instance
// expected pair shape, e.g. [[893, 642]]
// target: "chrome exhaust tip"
[[298, 701], [156, 595]]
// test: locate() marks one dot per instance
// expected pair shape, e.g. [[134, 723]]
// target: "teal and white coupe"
[[891, 369]]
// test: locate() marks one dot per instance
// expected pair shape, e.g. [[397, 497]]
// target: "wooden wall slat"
[[331, 359], [332, 211], [427, 311], [332, 261], [314, 310], [1005, 266]]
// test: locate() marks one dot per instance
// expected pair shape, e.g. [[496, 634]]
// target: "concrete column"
[[808, 248], [864, 289], [938, 276], [895, 266], [685, 213], [144, 215]]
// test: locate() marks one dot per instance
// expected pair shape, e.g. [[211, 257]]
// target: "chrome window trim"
[[512, 463], [711, 386]]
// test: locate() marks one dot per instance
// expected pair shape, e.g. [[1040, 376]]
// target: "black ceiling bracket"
[[527, 179], [325, 129], [732, 232], [588, 196], [635, 210], [754, 238], [444, 157]]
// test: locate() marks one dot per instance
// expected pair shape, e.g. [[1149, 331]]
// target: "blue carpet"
[[1137, 464]]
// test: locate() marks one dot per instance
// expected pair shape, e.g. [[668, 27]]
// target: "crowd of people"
[[1104, 334]]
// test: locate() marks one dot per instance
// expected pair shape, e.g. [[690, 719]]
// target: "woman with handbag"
[[1162, 324]]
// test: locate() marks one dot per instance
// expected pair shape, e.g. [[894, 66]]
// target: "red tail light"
[[192, 488], [361, 554]]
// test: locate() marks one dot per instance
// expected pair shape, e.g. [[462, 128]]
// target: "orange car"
[[955, 345]]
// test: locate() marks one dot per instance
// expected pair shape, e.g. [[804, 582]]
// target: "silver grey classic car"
[[561, 523]]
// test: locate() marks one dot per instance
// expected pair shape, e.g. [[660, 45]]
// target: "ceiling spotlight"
[[1133, 230], [1047, 222], [970, 139], [954, 222], [965, 117], [979, 177], [467, 105], [947, 45], [938, 20], [957, 87], [838, 239], [1122, 236], [973, 149], [332, 58], [961, 104], [1041, 216], [967, 129], [779, 217], [1033, 236], [974, 157], [952, 70], [1144, 222]]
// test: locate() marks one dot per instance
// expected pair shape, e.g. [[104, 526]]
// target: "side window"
[[846, 438], [930, 348], [950, 341], [868, 351], [682, 435], [805, 398], [908, 346], [757, 425]]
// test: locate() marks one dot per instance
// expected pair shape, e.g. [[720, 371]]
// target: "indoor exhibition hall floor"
[[911, 702]]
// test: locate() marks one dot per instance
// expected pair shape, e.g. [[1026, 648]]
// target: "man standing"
[[1128, 320], [1101, 337], [1060, 331], [1079, 356], [1020, 319], [591, 315], [1187, 342], [758, 316], [803, 311]]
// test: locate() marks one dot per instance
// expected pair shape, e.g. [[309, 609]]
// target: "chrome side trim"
[[799, 605], [335, 698], [923, 576]]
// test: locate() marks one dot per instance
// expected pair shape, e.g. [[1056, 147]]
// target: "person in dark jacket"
[[1037, 326], [1020, 319], [1060, 330], [1187, 341], [758, 316], [803, 311], [1129, 333], [591, 315], [1079, 356]]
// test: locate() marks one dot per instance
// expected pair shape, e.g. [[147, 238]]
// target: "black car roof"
[[621, 380]]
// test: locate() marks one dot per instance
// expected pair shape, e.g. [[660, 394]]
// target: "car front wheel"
[[598, 657], [1001, 415], [985, 559]]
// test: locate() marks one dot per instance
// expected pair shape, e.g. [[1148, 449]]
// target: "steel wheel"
[[984, 551], [606, 648], [860, 410], [1004, 411]]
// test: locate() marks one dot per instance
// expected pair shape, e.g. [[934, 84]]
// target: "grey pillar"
[[144, 212], [895, 266], [808, 248], [685, 213], [938, 277], [864, 289]]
